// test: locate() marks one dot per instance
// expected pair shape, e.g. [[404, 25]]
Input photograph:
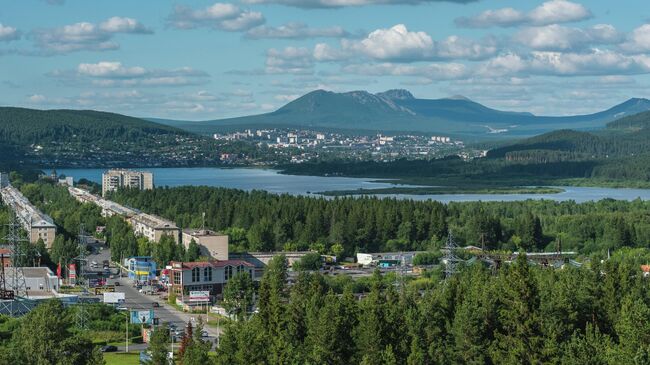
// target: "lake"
[[274, 182]]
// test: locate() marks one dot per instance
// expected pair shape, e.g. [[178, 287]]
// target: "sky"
[[200, 60]]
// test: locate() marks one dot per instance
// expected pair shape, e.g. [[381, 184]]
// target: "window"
[[177, 278], [196, 274], [228, 273], [207, 274]]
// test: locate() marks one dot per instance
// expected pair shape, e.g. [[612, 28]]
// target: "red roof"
[[214, 263]]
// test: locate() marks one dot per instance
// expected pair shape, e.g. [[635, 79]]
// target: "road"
[[134, 300]]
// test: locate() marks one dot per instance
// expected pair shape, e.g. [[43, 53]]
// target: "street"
[[134, 300]]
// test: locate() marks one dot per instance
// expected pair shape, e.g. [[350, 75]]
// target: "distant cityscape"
[[305, 145]]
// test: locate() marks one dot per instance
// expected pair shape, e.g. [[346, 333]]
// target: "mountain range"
[[399, 111]]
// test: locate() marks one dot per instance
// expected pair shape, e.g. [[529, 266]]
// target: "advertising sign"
[[142, 316], [113, 298], [199, 296], [72, 271]]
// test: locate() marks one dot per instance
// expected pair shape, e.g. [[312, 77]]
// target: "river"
[[274, 182]]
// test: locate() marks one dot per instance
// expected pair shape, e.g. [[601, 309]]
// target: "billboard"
[[142, 316], [199, 296], [113, 298], [72, 271]]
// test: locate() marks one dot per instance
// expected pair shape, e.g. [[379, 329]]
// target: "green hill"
[[91, 138]]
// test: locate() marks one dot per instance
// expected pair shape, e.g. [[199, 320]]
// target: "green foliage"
[[159, 346], [311, 261], [380, 225], [238, 295], [427, 258], [520, 314]]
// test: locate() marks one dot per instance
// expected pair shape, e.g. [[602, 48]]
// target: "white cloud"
[[401, 45], [118, 24], [291, 60], [8, 33], [558, 37], [550, 12], [295, 31], [222, 16], [316, 4], [639, 40], [87, 36], [115, 74], [432, 71]]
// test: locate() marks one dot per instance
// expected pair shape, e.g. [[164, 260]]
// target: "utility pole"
[[127, 332], [450, 259]]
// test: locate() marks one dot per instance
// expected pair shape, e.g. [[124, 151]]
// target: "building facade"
[[154, 227], [4, 180], [211, 243], [112, 180], [37, 225], [211, 276]]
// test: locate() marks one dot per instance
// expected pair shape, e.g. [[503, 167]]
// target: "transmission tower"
[[14, 301], [82, 312], [450, 259]]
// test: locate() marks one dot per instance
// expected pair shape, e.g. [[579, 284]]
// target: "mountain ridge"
[[398, 110]]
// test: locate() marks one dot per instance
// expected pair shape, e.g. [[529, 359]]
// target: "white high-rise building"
[[112, 180]]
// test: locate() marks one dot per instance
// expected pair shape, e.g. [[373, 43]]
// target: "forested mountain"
[[399, 110], [86, 137]]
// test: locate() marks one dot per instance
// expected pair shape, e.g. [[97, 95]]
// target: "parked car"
[[109, 348], [205, 334], [155, 304], [117, 283]]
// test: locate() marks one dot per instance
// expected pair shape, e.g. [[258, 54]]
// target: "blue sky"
[[199, 60]]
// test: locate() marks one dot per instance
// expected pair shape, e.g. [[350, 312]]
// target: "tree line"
[[260, 221], [521, 314]]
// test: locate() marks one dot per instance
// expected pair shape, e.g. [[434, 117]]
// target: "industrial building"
[[38, 225], [143, 224], [211, 243], [112, 180], [205, 276]]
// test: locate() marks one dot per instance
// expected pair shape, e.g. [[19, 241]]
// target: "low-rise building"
[[140, 268], [112, 180], [154, 227], [38, 225], [211, 276], [211, 243]]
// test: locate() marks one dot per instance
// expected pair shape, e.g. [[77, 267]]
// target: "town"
[[300, 145]]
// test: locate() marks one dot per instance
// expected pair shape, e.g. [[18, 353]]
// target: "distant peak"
[[397, 94], [459, 97]]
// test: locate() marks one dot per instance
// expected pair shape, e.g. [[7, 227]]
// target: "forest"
[[521, 314], [260, 221]]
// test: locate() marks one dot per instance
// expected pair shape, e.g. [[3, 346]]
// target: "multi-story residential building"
[[143, 224], [113, 180], [205, 276], [153, 227], [211, 243], [38, 225]]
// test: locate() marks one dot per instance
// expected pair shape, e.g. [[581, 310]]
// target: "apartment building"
[[113, 180], [153, 227], [4, 180], [205, 275], [211, 243], [143, 224], [37, 225]]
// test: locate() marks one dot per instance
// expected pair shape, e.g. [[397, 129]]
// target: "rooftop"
[[212, 263], [202, 232]]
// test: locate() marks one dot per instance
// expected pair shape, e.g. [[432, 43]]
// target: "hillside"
[[400, 111], [86, 137]]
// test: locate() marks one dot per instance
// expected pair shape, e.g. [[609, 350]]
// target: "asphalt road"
[[134, 300]]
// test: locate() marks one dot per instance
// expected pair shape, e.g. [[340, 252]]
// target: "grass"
[[121, 358]]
